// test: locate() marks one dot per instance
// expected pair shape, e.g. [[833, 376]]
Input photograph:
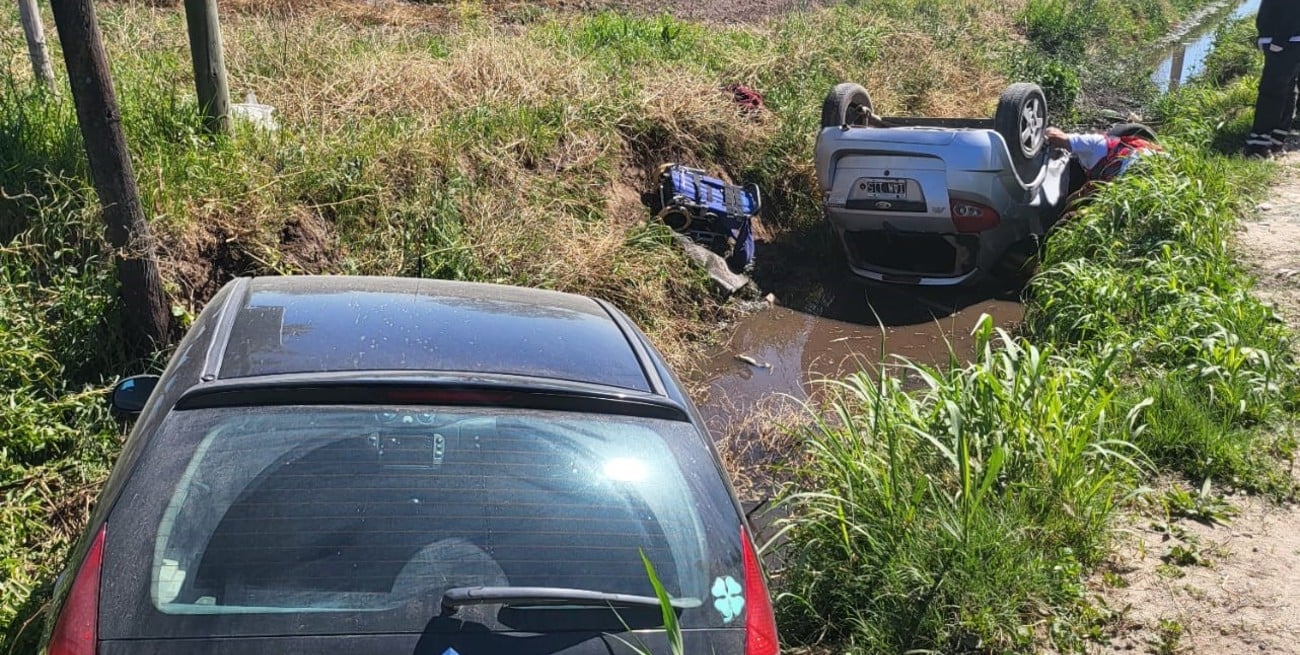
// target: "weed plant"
[[1148, 268], [942, 517], [1085, 48], [1235, 55]]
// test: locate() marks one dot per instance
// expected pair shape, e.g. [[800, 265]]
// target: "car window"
[[469, 328], [375, 512]]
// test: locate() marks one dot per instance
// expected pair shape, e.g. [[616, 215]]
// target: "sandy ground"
[[1243, 595], [1272, 243]]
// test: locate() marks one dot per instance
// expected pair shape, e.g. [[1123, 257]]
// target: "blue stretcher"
[[711, 212]]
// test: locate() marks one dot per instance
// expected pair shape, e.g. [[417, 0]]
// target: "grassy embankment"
[[506, 149], [962, 517]]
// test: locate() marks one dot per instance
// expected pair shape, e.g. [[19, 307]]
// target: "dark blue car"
[[380, 465]]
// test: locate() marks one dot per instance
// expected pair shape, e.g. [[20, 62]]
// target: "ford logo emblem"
[[884, 205]]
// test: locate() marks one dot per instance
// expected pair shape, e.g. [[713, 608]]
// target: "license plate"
[[893, 189]]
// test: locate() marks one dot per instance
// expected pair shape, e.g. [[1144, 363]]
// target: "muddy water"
[[1188, 47], [846, 329]]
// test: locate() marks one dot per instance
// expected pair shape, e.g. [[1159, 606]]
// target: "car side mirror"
[[130, 395]]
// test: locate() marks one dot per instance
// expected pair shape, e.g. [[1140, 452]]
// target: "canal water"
[[783, 351], [1187, 48]]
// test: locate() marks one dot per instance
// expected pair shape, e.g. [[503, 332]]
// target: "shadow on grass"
[[23, 635]]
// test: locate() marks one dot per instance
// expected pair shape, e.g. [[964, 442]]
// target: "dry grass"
[[762, 446], [538, 137], [919, 77]]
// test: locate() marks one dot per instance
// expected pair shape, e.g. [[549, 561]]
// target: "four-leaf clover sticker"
[[728, 598]]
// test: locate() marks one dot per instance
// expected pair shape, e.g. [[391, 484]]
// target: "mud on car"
[[936, 201]]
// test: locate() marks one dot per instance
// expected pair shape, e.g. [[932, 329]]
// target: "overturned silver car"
[[936, 201]]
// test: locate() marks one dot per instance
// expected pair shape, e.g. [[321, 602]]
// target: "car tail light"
[[77, 629], [760, 622], [970, 217]]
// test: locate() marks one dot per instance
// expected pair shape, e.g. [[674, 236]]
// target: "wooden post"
[[145, 303], [209, 63], [35, 33], [1176, 69]]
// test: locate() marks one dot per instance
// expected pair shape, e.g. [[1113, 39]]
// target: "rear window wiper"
[[457, 597]]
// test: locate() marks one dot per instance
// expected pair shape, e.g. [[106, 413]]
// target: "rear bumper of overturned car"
[[919, 241], [879, 251]]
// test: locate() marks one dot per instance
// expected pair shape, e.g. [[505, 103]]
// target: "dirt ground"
[[1192, 587], [1273, 243]]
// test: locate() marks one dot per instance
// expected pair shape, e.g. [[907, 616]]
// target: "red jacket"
[[1118, 151]]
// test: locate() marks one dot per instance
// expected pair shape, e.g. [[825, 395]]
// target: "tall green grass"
[[1086, 49], [1149, 267], [942, 518]]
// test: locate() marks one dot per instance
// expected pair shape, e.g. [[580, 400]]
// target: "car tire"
[[1021, 119], [846, 104]]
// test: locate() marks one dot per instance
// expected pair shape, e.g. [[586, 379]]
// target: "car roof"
[[311, 324]]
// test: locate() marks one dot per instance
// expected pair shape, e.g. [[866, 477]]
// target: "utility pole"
[[35, 33], [140, 283], [209, 63]]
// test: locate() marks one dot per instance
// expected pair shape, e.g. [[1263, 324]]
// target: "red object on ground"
[[748, 99]]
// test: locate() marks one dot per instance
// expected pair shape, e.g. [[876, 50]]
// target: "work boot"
[[1259, 146], [1278, 141], [1258, 151]]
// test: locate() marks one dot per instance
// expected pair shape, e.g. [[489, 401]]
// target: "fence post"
[[209, 63], [147, 318], [35, 33]]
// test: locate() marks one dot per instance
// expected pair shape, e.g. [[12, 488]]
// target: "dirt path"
[[1189, 587], [1272, 243]]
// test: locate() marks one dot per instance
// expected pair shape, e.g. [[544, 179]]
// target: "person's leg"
[[1274, 98], [1290, 100], [1294, 132]]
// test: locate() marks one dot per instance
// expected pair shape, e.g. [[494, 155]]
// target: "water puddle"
[[1188, 47], [781, 350]]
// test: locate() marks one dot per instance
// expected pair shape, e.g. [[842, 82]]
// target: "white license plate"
[[889, 189]]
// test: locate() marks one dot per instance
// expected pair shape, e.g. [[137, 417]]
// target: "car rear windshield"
[[322, 520]]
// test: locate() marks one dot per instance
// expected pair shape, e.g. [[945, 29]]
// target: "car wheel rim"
[[1031, 127]]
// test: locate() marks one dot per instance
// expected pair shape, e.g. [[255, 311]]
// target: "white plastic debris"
[[260, 115]]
